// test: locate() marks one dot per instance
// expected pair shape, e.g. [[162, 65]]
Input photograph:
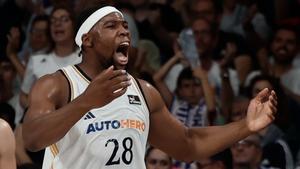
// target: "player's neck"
[[90, 68]]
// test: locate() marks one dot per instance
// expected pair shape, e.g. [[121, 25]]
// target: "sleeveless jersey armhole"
[[137, 81], [69, 84]]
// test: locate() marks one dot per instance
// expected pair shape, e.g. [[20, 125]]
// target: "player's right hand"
[[106, 86]]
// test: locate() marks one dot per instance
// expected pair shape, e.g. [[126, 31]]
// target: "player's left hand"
[[261, 110]]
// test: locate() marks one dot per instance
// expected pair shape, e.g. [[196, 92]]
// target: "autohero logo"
[[115, 124]]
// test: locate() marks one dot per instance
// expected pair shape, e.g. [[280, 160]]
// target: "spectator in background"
[[7, 146], [221, 160], [64, 52], [157, 159], [193, 101], [247, 153], [39, 37], [238, 108], [39, 42], [12, 49], [195, 9], [13, 13], [206, 38], [165, 24], [284, 48], [7, 79], [150, 59], [243, 18], [9, 87], [160, 23]]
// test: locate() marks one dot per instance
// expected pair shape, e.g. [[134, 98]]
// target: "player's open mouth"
[[123, 48]]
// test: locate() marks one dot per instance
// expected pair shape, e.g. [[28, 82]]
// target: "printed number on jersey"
[[127, 154]]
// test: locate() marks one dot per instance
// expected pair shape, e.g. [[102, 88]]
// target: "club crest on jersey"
[[134, 99]]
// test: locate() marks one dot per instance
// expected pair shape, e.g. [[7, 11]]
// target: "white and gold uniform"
[[113, 136]]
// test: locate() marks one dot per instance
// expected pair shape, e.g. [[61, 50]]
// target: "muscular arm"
[[50, 117], [44, 124], [191, 143], [7, 146]]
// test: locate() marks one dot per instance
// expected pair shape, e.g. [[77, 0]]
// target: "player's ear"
[[87, 40]]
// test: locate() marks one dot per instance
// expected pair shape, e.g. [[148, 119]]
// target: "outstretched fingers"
[[271, 116], [120, 85], [118, 79], [272, 107], [263, 95], [117, 73], [272, 104], [273, 99], [274, 96], [114, 79], [119, 92], [271, 113]]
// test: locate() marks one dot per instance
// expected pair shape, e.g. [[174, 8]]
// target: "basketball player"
[[93, 116], [7, 146]]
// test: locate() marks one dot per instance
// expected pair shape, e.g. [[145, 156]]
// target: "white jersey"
[[113, 136]]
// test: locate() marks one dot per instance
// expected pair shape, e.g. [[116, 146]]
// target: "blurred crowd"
[[207, 58]]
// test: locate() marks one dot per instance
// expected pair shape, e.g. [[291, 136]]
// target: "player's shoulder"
[[54, 86], [152, 96], [145, 85], [52, 81]]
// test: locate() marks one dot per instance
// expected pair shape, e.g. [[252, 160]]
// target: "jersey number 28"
[[127, 145]]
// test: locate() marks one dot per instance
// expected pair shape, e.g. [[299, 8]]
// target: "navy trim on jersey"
[[83, 73], [69, 84], [137, 81]]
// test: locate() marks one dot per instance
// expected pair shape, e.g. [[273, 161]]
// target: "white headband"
[[87, 25]]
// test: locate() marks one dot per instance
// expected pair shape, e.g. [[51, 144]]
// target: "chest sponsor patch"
[[133, 99]]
